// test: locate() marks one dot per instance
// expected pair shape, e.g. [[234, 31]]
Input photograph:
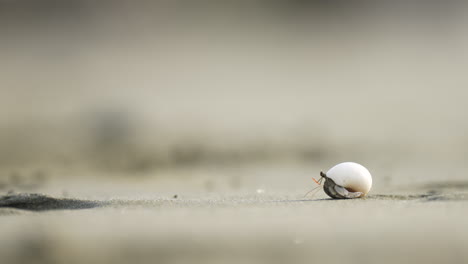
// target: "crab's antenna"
[[319, 182], [312, 190]]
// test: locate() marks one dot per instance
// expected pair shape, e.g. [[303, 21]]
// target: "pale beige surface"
[[143, 222], [234, 110]]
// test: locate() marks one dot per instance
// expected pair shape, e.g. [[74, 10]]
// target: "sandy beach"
[[130, 222], [183, 132]]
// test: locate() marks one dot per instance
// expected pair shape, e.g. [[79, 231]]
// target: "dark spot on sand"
[[40, 202]]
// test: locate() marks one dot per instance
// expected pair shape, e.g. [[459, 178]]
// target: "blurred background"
[[203, 92], [197, 125]]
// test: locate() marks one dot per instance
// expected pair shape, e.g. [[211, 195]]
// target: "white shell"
[[352, 176]]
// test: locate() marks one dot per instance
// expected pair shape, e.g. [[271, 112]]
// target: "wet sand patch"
[[40, 202]]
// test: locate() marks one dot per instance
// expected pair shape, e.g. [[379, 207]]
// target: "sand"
[[163, 134], [422, 224]]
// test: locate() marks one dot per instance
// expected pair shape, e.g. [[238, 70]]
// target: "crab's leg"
[[347, 194]]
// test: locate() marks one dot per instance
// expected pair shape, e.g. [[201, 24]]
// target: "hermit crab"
[[346, 180]]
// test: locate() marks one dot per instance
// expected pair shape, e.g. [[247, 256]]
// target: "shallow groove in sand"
[[40, 202]]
